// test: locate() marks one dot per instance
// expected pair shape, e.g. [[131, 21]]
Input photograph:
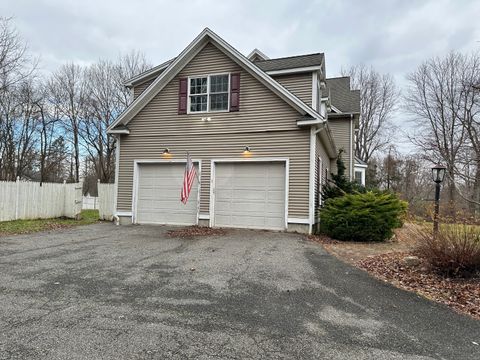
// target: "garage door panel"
[[250, 195], [158, 195]]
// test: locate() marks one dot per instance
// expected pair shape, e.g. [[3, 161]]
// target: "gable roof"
[[291, 62], [257, 54], [176, 65], [341, 96], [147, 75], [298, 62]]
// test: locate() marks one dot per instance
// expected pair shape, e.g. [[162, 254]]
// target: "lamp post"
[[438, 174]]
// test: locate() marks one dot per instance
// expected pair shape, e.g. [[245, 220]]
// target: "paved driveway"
[[106, 292]]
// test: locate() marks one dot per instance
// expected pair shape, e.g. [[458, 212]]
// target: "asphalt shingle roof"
[[341, 96], [290, 62]]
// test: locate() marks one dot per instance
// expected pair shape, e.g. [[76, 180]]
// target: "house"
[[263, 133]]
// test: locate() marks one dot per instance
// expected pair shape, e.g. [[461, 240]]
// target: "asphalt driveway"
[[107, 292]]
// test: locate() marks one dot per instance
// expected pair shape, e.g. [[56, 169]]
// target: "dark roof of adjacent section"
[[341, 95], [291, 62], [359, 161]]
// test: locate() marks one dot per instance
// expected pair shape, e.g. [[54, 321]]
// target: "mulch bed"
[[194, 231], [463, 295]]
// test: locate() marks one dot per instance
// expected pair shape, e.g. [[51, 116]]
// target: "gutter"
[[327, 138]]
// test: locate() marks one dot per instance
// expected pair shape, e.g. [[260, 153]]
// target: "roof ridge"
[[289, 57]]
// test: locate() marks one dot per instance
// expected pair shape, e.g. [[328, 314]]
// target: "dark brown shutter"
[[182, 96], [235, 92]]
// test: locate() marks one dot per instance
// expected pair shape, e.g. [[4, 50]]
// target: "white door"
[[158, 195], [250, 195]]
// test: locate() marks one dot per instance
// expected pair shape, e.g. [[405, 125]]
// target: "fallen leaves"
[[461, 294], [193, 231]]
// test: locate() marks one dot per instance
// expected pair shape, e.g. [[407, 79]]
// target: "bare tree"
[[127, 66], [107, 98], [378, 99], [436, 100], [102, 109], [68, 92], [469, 116], [15, 62]]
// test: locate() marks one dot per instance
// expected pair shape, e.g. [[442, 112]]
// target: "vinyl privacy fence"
[[29, 200], [106, 193]]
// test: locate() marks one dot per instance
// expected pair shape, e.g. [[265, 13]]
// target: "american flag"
[[188, 178]]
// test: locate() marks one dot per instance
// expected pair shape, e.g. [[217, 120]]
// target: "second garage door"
[[158, 195], [250, 195]]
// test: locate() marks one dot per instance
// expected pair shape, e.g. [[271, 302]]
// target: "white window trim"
[[208, 94]]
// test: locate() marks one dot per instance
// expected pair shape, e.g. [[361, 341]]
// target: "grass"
[[30, 226]]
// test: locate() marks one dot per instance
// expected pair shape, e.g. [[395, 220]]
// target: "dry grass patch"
[[461, 294]]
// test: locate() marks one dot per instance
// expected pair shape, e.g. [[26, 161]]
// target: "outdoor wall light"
[[246, 150], [166, 152]]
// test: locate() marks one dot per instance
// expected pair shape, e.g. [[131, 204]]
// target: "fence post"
[[64, 195], [98, 195], [17, 198]]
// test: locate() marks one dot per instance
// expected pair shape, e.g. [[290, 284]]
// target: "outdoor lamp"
[[166, 151], [246, 151], [438, 173]]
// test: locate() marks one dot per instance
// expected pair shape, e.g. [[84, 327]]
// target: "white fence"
[[106, 195], [29, 200], [90, 203]]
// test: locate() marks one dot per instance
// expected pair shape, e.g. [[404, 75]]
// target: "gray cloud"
[[393, 36]]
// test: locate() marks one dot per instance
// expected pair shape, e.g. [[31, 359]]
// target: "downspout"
[[351, 147]]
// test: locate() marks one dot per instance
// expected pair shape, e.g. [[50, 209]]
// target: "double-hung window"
[[209, 93]]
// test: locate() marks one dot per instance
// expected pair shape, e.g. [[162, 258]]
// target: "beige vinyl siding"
[[341, 131], [298, 84], [265, 123], [137, 90]]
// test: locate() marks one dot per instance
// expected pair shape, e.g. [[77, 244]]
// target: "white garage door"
[[158, 195], [250, 195]]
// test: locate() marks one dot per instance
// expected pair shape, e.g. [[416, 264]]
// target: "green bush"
[[370, 216], [339, 185], [454, 251]]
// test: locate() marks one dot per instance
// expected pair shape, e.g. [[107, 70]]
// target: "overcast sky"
[[393, 36]]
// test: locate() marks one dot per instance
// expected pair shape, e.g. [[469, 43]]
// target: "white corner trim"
[[237, 160], [315, 90], [136, 174], [311, 182], [352, 150], [117, 172], [298, 221]]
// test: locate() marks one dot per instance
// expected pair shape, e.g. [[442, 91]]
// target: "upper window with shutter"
[[209, 93]]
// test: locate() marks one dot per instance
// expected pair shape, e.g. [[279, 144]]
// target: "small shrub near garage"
[[371, 216], [455, 250]]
